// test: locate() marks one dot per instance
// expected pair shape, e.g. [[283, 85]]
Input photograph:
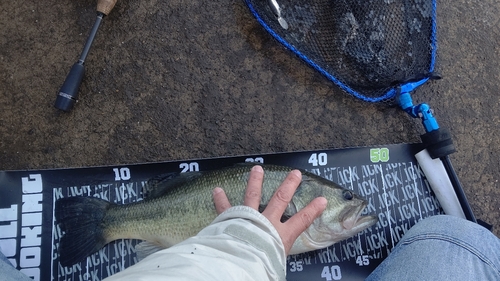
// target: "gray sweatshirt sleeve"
[[240, 244]]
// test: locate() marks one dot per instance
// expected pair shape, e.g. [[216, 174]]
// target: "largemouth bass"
[[177, 208]]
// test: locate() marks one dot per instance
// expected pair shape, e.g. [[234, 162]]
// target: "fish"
[[178, 206]]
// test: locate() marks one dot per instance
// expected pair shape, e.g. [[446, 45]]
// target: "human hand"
[[293, 227]]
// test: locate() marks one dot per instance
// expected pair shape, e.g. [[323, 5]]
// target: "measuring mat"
[[387, 176]]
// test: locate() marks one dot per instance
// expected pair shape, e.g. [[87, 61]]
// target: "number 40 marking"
[[331, 273], [318, 159]]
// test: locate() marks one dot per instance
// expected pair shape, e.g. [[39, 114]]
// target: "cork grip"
[[105, 6]]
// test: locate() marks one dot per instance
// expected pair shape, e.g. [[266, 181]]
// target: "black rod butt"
[[68, 94]]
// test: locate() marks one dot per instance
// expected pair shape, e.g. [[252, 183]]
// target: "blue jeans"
[[443, 248], [437, 248]]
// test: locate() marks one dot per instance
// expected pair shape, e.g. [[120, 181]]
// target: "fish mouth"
[[353, 220]]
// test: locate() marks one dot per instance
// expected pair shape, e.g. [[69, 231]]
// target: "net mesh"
[[367, 47]]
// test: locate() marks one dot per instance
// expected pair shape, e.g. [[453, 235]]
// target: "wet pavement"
[[171, 80]]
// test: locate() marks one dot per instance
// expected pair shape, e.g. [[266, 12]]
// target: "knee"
[[450, 226]]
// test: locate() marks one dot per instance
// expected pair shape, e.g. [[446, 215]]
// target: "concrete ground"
[[171, 80]]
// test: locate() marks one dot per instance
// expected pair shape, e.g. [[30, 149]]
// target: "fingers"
[[293, 227], [278, 203], [252, 193], [254, 188], [299, 222], [220, 200]]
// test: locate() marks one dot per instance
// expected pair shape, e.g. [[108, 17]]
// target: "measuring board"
[[387, 176]]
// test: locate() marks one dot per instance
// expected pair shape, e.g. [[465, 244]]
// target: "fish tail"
[[81, 220]]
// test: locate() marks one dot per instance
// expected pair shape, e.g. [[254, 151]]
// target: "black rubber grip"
[[68, 94]]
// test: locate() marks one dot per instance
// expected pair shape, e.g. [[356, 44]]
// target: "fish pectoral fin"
[[147, 248]]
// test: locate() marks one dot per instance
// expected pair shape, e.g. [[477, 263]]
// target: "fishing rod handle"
[[105, 6], [68, 94]]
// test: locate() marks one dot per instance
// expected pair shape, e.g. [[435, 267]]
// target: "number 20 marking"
[[189, 167]]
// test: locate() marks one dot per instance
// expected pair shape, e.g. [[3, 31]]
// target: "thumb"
[[220, 200]]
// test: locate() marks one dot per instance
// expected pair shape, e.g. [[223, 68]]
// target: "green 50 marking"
[[379, 154]]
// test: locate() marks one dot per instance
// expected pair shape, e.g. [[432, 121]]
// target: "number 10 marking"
[[122, 174]]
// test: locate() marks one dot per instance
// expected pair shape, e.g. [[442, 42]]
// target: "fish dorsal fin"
[[147, 248], [246, 164], [160, 185]]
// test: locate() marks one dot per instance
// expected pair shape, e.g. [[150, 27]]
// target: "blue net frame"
[[304, 18]]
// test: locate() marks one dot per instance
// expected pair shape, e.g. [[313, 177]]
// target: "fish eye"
[[348, 195]]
